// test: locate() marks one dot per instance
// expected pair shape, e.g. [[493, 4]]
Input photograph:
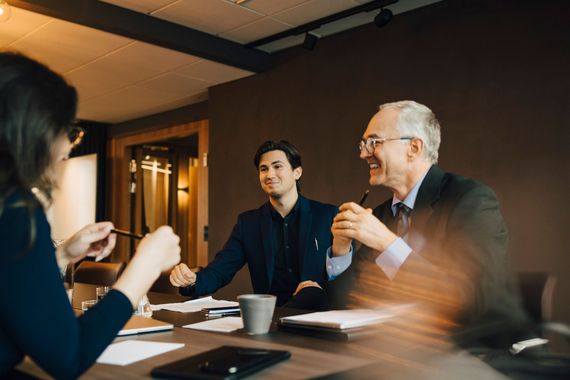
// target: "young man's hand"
[[182, 276]]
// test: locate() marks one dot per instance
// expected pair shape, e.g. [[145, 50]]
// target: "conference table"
[[391, 353]]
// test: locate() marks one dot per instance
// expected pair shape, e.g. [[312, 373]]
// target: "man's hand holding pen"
[[354, 222]]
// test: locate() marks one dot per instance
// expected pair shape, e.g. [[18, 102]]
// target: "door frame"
[[119, 181]]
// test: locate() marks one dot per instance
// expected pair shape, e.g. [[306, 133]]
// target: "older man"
[[440, 239]]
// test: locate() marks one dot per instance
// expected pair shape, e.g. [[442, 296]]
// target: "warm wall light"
[[5, 11]]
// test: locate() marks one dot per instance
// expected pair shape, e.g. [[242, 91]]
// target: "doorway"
[[161, 177]]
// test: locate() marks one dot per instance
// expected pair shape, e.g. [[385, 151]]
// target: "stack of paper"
[[344, 319], [193, 305]]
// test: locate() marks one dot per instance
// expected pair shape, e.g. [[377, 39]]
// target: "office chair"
[[537, 291], [90, 272], [534, 363], [537, 294]]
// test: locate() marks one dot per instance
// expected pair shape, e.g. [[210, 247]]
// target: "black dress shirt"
[[285, 244]]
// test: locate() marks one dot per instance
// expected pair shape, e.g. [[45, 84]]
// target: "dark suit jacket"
[[250, 243], [459, 258]]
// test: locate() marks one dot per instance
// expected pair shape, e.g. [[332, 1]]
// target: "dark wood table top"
[[391, 351]]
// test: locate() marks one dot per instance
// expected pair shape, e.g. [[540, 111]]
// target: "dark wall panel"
[[495, 73]]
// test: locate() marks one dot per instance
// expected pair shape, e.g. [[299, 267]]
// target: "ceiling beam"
[[142, 27]]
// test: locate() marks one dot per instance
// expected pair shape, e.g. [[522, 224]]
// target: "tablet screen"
[[226, 362]]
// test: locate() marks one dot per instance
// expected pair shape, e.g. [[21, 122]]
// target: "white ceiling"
[[120, 79]]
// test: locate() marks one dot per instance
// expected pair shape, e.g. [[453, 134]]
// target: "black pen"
[[216, 315], [363, 199], [127, 233]]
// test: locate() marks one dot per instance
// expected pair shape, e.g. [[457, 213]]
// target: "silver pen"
[[316, 243]]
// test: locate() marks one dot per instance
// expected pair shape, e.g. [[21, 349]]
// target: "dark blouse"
[[36, 318]]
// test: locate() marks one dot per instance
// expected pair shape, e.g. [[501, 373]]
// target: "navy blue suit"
[[250, 243]]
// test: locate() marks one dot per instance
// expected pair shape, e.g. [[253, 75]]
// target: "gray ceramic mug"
[[256, 312]]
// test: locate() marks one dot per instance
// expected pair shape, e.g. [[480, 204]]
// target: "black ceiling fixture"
[[310, 26], [383, 18], [310, 41]]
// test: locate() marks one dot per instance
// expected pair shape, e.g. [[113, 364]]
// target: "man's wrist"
[[340, 251], [384, 242]]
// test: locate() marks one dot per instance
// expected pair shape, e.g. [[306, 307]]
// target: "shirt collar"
[[291, 214], [410, 200]]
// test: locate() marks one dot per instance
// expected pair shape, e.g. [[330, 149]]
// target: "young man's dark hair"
[[292, 154]]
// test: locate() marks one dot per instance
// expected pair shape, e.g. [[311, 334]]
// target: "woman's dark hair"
[[292, 154], [36, 106]]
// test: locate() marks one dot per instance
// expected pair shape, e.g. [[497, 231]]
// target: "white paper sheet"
[[130, 351], [226, 324], [193, 305]]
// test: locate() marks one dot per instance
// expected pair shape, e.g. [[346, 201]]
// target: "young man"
[[440, 240], [283, 242]]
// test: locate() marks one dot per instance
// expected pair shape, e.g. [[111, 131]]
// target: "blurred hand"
[[354, 222], [160, 249], [156, 253], [306, 284], [93, 240], [182, 276]]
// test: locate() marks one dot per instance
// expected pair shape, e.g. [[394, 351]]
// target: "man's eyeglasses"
[[75, 135], [371, 143]]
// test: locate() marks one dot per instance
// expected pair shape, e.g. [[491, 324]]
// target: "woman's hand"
[[93, 240], [160, 249], [156, 253]]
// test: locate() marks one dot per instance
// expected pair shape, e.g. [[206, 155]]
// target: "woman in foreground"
[[37, 108]]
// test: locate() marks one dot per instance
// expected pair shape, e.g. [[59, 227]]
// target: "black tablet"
[[225, 362]]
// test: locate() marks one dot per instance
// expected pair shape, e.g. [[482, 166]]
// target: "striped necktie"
[[403, 219]]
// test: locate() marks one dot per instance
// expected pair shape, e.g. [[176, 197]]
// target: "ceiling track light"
[[313, 25], [383, 18], [310, 41], [5, 11]]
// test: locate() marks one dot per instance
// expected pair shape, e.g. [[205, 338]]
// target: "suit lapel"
[[266, 239], [305, 234], [428, 195]]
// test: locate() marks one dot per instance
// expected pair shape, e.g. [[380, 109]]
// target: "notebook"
[[343, 325], [140, 325], [339, 319]]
